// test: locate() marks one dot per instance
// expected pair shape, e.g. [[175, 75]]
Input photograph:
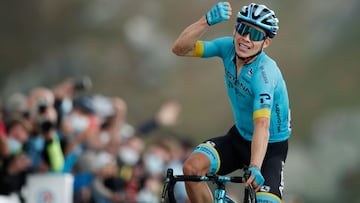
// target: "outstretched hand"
[[218, 13]]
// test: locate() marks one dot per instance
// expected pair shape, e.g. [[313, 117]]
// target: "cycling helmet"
[[261, 16]]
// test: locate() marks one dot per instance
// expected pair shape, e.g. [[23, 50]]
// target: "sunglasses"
[[255, 34]]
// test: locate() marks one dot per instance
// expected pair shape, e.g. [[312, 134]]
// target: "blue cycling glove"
[[258, 178], [218, 13]]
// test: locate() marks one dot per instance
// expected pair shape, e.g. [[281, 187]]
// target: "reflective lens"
[[255, 34]]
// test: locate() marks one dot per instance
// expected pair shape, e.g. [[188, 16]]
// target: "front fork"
[[220, 195]]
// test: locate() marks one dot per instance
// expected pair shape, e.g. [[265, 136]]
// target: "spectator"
[[16, 104], [81, 133], [4, 150], [114, 129], [177, 153], [43, 145], [15, 164], [13, 174], [155, 158], [52, 153], [166, 116], [107, 187], [18, 133], [130, 167], [65, 92], [89, 137], [3, 140]]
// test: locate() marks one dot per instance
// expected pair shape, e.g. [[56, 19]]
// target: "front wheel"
[[229, 200]]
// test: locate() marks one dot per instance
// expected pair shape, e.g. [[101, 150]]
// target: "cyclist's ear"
[[267, 42]]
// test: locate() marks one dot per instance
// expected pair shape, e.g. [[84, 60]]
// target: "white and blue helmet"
[[261, 16]]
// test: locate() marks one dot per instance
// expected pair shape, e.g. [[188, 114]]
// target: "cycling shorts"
[[233, 152]]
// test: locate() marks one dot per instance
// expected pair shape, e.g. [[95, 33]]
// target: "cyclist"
[[258, 97]]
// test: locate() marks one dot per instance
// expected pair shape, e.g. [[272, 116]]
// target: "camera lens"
[[42, 105]]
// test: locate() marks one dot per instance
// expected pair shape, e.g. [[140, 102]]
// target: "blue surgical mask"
[[129, 156], [78, 123], [154, 164], [66, 106], [14, 145]]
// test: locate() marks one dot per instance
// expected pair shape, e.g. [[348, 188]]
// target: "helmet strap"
[[249, 58]]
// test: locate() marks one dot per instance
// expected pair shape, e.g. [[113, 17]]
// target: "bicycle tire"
[[229, 200], [248, 198]]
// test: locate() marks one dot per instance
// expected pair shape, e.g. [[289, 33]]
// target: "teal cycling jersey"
[[258, 91]]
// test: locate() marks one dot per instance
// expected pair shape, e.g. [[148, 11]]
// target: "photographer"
[[44, 144], [52, 153]]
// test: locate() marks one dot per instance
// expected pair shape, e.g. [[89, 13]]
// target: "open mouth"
[[243, 46]]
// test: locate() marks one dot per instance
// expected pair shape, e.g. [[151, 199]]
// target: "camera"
[[42, 105], [44, 125]]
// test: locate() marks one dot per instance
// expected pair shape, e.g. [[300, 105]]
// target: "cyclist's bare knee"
[[196, 164]]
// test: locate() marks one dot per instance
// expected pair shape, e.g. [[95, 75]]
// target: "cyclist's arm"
[[263, 88], [263, 84], [259, 145], [185, 45], [259, 141], [261, 132]]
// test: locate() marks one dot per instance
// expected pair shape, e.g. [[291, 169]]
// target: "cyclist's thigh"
[[272, 170], [223, 152]]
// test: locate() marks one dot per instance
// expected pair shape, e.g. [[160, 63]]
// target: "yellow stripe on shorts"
[[275, 197], [212, 154]]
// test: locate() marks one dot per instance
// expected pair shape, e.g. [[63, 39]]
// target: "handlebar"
[[171, 179]]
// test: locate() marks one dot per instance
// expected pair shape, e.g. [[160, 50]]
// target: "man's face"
[[19, 132], [245, 46]]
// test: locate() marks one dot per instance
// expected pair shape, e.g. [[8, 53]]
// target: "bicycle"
[[219, 192]]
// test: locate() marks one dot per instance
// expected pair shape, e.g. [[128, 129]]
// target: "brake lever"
[[252, 192], [165, 189], [169, 176], [250, 188], [247, 174]]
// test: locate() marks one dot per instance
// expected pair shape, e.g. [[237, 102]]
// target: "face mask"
[[104, 137], [129, 156], [78, 123], [153, 164], [14, 145], [66, 106]]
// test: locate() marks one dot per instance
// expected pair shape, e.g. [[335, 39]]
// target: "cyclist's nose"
[[247, 36]]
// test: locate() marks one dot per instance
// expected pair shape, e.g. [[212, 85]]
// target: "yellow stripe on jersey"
[[199, 49], [261, 113]]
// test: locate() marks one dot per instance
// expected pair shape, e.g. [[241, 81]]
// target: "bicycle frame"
[[219, 193]]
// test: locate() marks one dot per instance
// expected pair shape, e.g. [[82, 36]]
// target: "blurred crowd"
[[65, 129]]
